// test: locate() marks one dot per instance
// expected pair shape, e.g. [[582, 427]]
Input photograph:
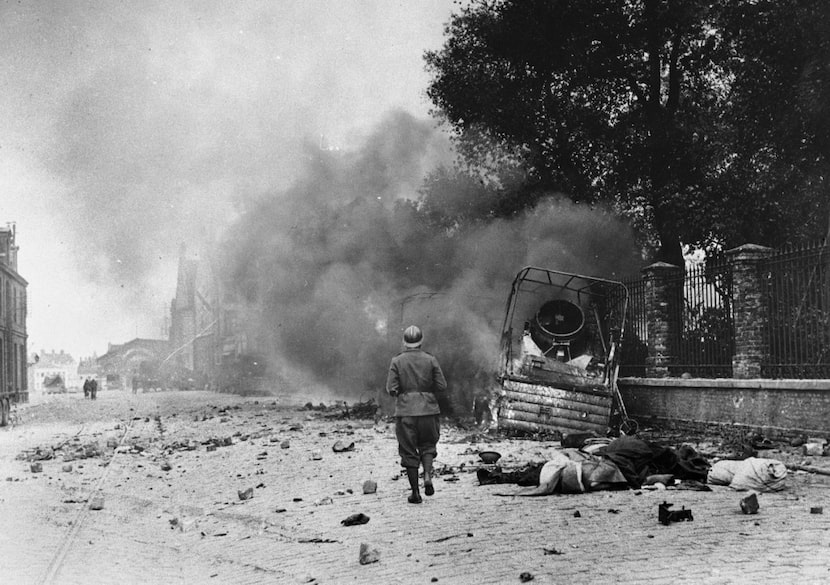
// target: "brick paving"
[[173, 515]]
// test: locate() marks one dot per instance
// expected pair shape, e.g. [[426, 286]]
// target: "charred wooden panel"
[[544, 408]]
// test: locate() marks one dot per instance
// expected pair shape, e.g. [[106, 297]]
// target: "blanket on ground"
[[762, 475]]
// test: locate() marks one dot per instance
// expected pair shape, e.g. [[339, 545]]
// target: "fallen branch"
[[809, 468], [444, 538]]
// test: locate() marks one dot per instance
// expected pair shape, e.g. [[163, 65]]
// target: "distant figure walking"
[[93, 389], [414, 378], [86, 388]]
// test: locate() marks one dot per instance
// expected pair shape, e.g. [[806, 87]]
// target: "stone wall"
[[773, 407]]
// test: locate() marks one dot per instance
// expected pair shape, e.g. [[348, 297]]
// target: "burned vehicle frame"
[[559, 356]]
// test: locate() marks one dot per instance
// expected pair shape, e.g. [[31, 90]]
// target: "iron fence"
[[706, 339], [797, 283], [702, 316], [633, 350], [796, 332]]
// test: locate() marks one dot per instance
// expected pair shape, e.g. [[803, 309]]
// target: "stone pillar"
[[664, 289], [750, 312]]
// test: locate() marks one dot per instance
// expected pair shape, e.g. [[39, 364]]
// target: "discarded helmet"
[[412, 336]]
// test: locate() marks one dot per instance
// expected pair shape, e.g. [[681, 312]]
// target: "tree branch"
[[674, 73]]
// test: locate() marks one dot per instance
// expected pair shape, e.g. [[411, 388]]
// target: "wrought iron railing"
[[796, 332], [798, 300], [702, 316], [634, 350], [706, 334]]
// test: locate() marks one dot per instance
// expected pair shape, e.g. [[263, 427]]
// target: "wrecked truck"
[[559, 355]]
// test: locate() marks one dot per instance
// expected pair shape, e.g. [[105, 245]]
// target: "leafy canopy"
[[704, 122]]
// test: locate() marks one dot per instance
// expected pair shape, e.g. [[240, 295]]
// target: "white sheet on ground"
[[761, 475]]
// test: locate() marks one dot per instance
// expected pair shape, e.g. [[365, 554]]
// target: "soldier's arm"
[[393, 383], [439, 383]]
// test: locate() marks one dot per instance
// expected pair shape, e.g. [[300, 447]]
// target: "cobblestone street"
[[172, 470]]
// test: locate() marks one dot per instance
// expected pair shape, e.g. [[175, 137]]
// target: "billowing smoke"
[[333, 268], [131, 127]]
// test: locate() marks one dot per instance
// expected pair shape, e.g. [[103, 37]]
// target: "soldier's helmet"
[[412, 336]]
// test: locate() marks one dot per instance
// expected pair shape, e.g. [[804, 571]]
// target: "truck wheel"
[[629, 427]]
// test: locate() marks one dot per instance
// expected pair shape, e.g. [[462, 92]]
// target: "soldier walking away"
[[414, 378], [93, 389], [86, 388]]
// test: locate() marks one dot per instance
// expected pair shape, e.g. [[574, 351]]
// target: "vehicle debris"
[[559, 357], [667, 516]]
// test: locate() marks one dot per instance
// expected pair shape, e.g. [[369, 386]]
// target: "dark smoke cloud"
[[336, 265], [148, 124]]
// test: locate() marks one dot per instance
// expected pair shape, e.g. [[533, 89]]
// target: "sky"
[[130, 128]]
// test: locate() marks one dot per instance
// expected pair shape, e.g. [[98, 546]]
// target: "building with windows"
[[13, 355], [53, 372]]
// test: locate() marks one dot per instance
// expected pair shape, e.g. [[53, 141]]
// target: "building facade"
[[13, 355], [194, 323], [210, 341], [138, 362], [53, 372]]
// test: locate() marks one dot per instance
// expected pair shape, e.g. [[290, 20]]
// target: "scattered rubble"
[[370, 486], [355, 519], [342, 446], [552, 551], [368, 554], [360, 410], [749, 504], [341, 410], [184, 445]]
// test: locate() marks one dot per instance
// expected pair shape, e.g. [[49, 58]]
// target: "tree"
[[653, 105]]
